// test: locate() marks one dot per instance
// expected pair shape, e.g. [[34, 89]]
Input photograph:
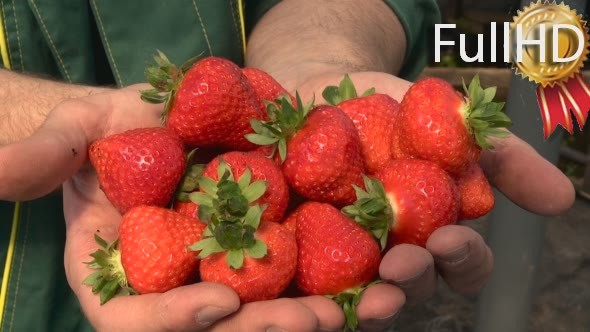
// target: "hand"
[[458, 253], [60, 145]]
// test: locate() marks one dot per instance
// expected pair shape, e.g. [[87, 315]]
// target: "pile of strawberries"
[[278, 194]]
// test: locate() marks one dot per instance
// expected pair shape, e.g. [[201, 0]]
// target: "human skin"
[[367, 41]]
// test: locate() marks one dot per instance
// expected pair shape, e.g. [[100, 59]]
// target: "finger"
[[411, 268], [521, 174], [188, 308], [379, 307], [329, 315], [37, 165], [462, 258], [276, 315]]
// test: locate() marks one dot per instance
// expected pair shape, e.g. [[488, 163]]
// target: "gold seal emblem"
[[540, 21]]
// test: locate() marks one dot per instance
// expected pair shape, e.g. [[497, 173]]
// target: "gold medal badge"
[[556, 67]]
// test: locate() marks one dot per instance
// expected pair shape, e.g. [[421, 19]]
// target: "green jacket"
[[106, 42]]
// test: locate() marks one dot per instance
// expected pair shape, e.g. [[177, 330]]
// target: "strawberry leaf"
[[483, 114], [110, 276], [346, 90], [331, 95], [245, 179], [235, 258], [259, 139], [372, 210], [253, 216], [208, 185], [224, 171], [207, 247], [254, 191], [201, 199], [258, 250], [285, 121]]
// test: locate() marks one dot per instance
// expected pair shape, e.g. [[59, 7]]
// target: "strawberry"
[[335, 256], [265, 87], [405, 202], [139, 166], [320, 149], [374, 116], [439, 124], [209, 105], [290, 223], [477, 197], [260, 168], [255, 276], [150, 256]]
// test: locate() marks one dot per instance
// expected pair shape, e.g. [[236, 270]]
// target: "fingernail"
[[211, 314], [275, 329], [458, 255]]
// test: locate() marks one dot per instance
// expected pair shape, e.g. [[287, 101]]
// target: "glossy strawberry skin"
[[154, 248], [188, 209], [375, 119], [276, 197], [335, 253], [324, 158], [258, 279], [423, 196], [139, 166], [290, 223], [265, 86], [432, 126], [477, 197], [213, 106]]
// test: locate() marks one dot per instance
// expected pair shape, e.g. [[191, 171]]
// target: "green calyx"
[[227, 206], [109, 280], [348, 300], [372, 210], [483, 116], [164, 77], [346, 90], [285, 120], [190, 180]]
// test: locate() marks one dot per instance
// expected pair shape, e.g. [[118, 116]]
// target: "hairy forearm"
[[299, 37], [26, 102]]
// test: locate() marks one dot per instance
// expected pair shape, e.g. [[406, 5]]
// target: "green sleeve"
[[418, 18]]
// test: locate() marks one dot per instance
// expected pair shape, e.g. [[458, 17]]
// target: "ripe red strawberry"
[[139, 166], [439, 124], [151, 255], [290, 223], [265, 86], [276, 196], [209, 105], [477, 197], [320, 150], [256, 278], [374, 116], [408, 200], [335, 256]]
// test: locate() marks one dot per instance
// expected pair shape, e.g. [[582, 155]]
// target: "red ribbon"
[[558, 102]]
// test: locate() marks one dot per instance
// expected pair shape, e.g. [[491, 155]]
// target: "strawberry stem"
[[484, 117]]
